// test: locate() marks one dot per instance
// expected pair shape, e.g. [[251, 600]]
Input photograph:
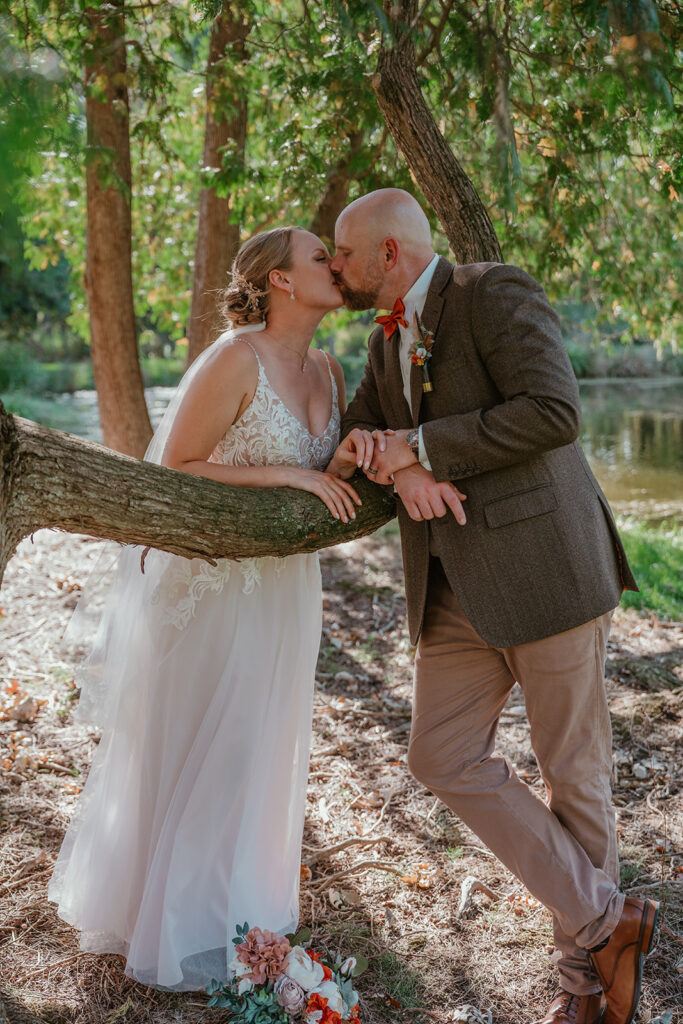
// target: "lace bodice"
[[267, 433]]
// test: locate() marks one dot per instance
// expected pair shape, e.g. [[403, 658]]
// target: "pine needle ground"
[[394, 892]]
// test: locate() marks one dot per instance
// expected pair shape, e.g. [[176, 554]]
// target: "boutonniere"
[[421, 352]]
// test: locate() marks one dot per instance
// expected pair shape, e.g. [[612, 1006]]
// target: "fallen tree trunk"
[[56, 480]]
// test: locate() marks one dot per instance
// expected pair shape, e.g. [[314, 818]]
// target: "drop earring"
[[291, 292]]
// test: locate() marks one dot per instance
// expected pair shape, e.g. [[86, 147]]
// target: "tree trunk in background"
[[51, 479], [108, 276], [336, 193], [444, 183], [224, 133]]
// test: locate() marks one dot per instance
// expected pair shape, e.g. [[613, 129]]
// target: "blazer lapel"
[[431, 315]]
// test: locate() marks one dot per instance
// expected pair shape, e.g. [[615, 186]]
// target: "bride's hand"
[[338, 495], [356, 451]]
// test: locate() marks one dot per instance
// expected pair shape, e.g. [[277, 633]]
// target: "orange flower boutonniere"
[[421, 352]]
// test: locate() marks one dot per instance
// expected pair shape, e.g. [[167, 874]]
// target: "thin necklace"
[[303, 358]]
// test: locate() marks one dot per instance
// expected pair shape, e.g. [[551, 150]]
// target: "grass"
[[19, 373], [400, 984], [655, 554], [42, 409]]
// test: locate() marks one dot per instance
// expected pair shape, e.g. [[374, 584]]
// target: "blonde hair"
[[246, 300]]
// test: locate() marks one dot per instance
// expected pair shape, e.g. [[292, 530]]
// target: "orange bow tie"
[[390, 323]]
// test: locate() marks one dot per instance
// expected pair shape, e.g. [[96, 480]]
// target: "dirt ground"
[[385, 863]]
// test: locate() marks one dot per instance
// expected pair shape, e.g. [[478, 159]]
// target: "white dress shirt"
[[414, 301]]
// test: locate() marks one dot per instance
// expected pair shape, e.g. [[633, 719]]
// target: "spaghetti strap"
[[258, 358], [332, 378]]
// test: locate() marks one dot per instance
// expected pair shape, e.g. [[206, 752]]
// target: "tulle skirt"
[[191, 818]]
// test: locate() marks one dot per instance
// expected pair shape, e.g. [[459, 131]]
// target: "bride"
[[201, 676]]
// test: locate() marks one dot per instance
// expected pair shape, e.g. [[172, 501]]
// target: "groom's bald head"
[[388, 212], [383, 244]]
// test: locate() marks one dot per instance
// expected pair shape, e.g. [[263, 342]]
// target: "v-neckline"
[[315, 437]]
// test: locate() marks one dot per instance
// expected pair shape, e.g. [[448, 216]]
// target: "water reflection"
[[632, 434]]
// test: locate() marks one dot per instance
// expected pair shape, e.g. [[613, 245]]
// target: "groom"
[[513, 567]]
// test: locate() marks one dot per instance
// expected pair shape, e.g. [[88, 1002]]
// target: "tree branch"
[[51, 479], [444, 183]]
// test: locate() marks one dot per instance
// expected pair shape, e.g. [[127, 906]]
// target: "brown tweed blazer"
[[540, 552]]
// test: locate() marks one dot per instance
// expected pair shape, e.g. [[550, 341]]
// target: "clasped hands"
[[386, 458]]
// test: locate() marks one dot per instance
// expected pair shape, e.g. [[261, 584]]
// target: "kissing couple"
[[201, 676]]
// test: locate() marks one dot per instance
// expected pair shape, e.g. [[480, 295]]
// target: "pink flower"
[[264, 953], [290, 996]]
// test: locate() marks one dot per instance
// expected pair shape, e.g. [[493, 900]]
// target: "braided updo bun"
[[246, 300]]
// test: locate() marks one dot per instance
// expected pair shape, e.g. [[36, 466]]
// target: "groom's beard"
[[364, 297]]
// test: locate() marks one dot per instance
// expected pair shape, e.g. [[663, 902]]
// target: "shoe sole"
[[647, 933]]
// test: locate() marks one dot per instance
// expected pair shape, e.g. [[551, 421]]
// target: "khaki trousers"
[[563, 850]]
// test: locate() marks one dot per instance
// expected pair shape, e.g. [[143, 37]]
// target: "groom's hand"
[[397, 454], [424, 498]]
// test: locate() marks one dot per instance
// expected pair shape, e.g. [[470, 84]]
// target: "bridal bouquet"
[[277, 980]]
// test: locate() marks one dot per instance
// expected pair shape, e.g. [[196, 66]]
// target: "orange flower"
[[327, 973], [318, 1004]]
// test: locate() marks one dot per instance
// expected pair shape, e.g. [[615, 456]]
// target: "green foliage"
[[261, 1007], [655, 554], [563, 115], [564, 119]]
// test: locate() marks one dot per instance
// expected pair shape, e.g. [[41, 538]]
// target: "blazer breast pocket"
[[524, 505]]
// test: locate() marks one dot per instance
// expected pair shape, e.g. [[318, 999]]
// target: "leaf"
[[120, 1012], [362, 964], [299, 938], [547, 147]]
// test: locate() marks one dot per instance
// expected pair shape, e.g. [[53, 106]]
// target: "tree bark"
[[225, 135], [336, 192], [52, 479], [109, 278], [445, 185]]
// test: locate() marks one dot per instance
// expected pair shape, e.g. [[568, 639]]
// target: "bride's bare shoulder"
[[231, 357]]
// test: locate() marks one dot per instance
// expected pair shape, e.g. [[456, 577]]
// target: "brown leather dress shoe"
[[566, 1008], [619, 963]]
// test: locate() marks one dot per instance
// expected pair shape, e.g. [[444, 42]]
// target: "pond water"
[[632, 434]]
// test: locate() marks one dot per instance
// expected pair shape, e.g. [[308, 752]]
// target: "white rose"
[[330, 991], [302, 969], [239, 968], [348, 966]]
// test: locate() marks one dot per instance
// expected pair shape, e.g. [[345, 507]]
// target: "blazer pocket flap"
[[515, 507]]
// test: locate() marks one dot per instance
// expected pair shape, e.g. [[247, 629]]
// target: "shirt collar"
[[417, 294]]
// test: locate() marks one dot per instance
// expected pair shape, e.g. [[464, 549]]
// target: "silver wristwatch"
[[413, 441]]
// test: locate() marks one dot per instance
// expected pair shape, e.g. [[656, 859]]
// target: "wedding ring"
[[373, 471]]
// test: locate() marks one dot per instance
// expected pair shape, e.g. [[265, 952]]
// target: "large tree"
[[109, 283], [437, 171], [225, 132]]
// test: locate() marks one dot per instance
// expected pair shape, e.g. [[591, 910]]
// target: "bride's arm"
[[218, 395]]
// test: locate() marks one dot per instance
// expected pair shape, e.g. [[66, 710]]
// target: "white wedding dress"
[[191, 818]]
